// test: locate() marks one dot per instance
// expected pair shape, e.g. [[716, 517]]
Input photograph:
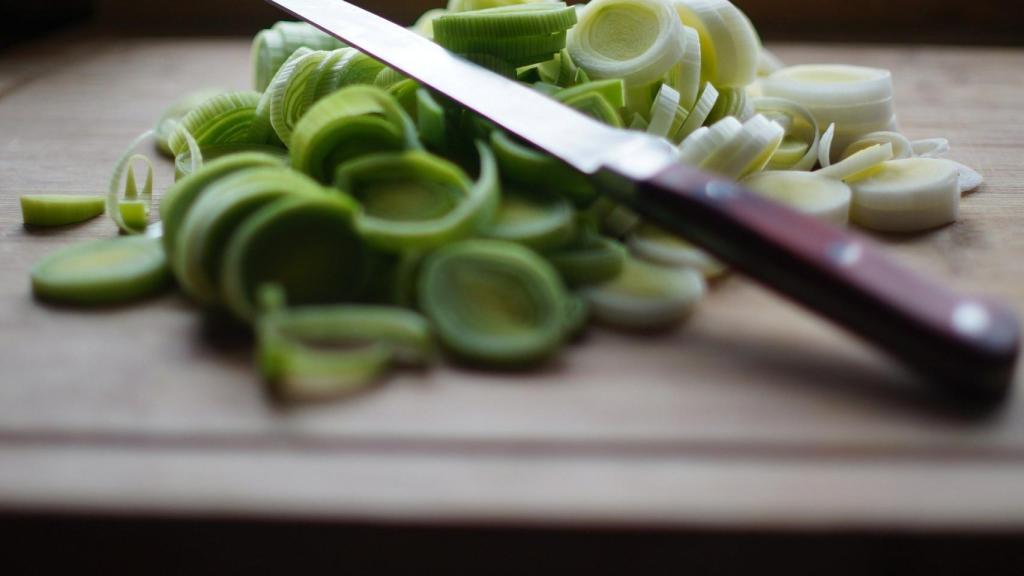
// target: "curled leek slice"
[[729, 44], [748, 151], [60, 209], [930, 147], [901, 146], [636, 40], [307, 244], [541, 222], [807, 192], [178, 200], [183, 164], [418, 200], [271, 47], [213, 220], [169, 119], [907, 195], [685, 76], [292, 91], [730, 102], [102, 272], [313, 352], [137, 209], [431, 121], [229, 118], [351, 122], [799, 147], [699, 114], [650, 243], [664, 112], [646, 296], [858, 165], [590, 259], [494, 303]]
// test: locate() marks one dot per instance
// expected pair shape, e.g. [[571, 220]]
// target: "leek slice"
[[183, 162], [612, 91], [175, 113], [519, 20], [418, 200], [969, 179], [307, 244], [685, 76], [431, 121], [663, 112], [799, 148], [214, 218], [635, 40], [704, 143], [229, 118], [532, 170], [424, 25], [907, 195], [292, 91], [699, 114], [351, 122], [930, 147], [313, 352], [646, 296], [591, 259], [540, 222], [271, 47], [807, 192], [901, 146], [825, 146], [470, 5], [99, 272], [114, 200], [859, 165], [650, 243], [493, 302], [748, 150], [730, 46], [597, 107], [60, 209], [179, 199]]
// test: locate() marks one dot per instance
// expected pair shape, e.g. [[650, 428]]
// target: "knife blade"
[[966, 346]]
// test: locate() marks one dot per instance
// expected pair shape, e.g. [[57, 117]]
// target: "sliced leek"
[[729, 44], [271, 47], [538, 221], [60, 209], [699, 113], [102, 272], [173, 114], [799, 148], [650, 243], [590, 259], [493, 302], [229, 118], [907, 195], [901, 145], [646, 296], [807, 192], [859, 165]]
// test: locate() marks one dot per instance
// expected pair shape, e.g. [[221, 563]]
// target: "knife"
[[965, 346]]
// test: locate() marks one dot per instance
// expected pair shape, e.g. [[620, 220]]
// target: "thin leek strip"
[[424, 25], [493, 303], [536, 171], [591, 259], [404, 93], [292, 91], [225, 119], [859, 165], [930, 147], [199, 249], [523, 20], [351, 122], [825, 146], [730, 46], [635, 40], [907, 195], [799, 149], [685, 76], [305, 243], [646, 296], [173, 114], [431, 121], [702, 144], [387, 78], [113, 190], [663, 112], [613, 91], [183, 165], [178, 200], [541, 222], [272, 47], [418, 200], [134, 207], [706, 101], [969, 179], [101, 272], [60, 209], [730, 102], [650, 243], [901, 146], [807, 192]]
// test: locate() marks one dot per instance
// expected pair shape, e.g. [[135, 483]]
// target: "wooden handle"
[[967, 346]]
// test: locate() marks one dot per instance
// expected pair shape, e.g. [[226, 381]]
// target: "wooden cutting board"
[[754, 414]]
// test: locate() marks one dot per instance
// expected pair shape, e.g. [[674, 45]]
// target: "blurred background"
[[904, 21]]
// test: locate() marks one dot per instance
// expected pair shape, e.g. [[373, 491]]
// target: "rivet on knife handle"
[[967, 346]]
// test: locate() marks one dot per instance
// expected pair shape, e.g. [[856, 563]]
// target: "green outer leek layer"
[[60, 209]]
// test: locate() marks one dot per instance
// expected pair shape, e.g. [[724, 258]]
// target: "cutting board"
[[754, 414]]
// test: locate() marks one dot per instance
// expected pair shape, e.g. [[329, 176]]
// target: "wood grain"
[[753, 414]]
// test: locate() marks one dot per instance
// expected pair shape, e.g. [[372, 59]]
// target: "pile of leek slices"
[[359, 222]]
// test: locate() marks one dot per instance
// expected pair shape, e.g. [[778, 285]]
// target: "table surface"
[[753, 415]]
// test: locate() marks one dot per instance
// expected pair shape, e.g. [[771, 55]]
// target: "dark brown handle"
[[967, 346]]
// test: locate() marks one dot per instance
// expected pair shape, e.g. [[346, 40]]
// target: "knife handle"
[[965, 346]]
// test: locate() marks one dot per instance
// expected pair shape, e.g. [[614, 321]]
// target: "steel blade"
[[582, 142]]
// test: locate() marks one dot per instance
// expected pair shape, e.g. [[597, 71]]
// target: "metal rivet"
[[971, 319], [844, 253]]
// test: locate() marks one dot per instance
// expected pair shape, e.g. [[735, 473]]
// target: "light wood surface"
[[753, 415]]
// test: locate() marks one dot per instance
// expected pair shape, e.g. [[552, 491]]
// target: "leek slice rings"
[[536, 171], [646, 296], [807, 192], [271, 47], [306, 244], [650, 243], [799, 148], [418, 200], [173, 114], [591, 259], [541, 222], [351, 122], [635, 40], [228, 118], [100, 272], [901, 145], [699, 114], [907, 195], [730, 46], [493, 302]]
